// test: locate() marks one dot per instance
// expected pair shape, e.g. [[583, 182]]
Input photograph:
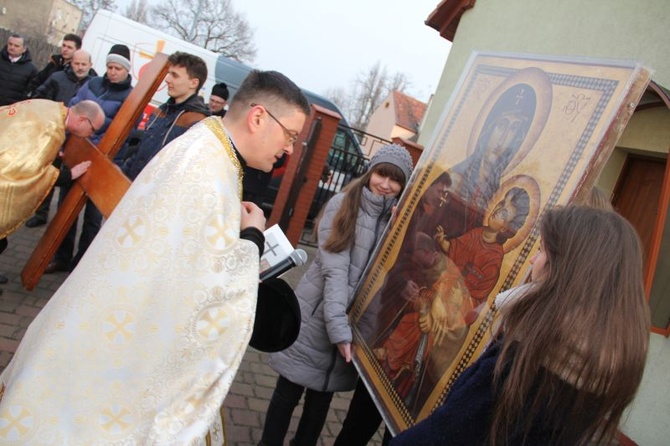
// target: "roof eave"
[[447, 15]]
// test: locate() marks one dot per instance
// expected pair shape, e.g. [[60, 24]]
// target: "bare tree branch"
[[90, 7], [367, 93], [138, 10], [212, 24], [339, 96]]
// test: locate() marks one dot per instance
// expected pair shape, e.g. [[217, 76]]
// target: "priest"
[[142, 341]]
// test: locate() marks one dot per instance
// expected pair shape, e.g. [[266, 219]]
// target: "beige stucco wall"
[[401, 132], [26, 17], [64, 18], [381, 122], [619, 29], [648, 130]]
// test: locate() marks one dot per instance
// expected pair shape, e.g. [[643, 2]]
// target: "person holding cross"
[[141, 342], [61, 86], [32, 132]]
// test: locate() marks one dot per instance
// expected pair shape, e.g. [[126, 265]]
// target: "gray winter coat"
[[325, 292]]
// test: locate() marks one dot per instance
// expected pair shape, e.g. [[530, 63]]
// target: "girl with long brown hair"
[[319, 362], [570, 353]]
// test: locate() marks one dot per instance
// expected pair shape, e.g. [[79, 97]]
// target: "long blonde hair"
[[344, 224], [585, 324]]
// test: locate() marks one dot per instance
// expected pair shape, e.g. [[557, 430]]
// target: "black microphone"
[[296, 258]]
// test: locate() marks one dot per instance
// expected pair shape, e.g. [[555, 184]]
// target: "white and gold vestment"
[[142, 341]]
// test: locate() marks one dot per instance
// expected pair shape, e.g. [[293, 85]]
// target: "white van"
[[107, 29]]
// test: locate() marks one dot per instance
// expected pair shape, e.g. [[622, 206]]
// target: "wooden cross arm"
[[103, 183]]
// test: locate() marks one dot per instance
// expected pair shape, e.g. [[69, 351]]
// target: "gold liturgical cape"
[[142, 341], [31, 133]]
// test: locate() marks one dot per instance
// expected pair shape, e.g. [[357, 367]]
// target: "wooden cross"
[[104, 183]]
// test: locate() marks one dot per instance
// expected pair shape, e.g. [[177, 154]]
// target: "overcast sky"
[[326, 44]]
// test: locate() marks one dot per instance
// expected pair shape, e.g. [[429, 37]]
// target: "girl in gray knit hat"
[[319, 362]]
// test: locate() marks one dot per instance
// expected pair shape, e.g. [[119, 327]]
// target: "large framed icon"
[[520, 134]]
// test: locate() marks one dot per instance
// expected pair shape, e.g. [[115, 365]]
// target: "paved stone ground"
[[249, 396]]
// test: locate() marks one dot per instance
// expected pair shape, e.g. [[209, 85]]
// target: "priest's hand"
[[252, 215]]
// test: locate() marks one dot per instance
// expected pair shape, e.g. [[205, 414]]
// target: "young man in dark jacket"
[[185, 77], [16, 70], [57, 62]]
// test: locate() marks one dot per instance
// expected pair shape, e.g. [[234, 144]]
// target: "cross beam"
[[103, 183]]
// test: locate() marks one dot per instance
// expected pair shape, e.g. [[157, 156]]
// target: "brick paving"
[[249, 395]]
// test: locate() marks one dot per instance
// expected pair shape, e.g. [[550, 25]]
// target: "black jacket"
[[56, 63], [61, 86], [255, 182], [167, 122], [14, 77], [465, 417]]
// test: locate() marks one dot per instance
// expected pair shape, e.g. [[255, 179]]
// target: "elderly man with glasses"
[[31, 134]]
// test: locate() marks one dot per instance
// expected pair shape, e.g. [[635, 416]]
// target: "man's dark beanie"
[[221, 90]]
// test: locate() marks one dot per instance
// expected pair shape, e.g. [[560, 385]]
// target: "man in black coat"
[[58, 62], [218, 99], [62, 85], [16, 70]]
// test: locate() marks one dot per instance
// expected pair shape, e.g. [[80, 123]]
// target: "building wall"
[[648, 419], [648, 130], [50, 18], [381, 124], [64, 18], [27, 17], [401, 132], [620, 29]]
